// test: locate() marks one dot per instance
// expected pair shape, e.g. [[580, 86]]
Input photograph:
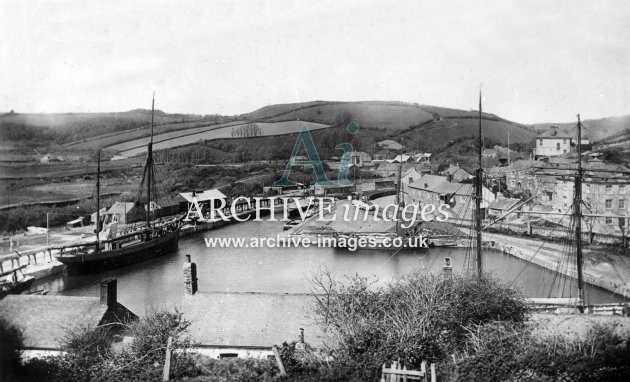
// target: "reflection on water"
[[159, 282]]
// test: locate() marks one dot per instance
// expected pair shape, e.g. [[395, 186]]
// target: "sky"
[[536, 61]]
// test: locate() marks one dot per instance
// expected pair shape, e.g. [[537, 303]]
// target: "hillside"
[[380, 114], [595, 129], [72, 127], [421, 127]]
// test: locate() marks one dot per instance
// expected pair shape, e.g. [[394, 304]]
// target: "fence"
[[398, 373]]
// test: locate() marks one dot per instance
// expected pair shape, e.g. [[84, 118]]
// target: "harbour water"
[[159, 282]]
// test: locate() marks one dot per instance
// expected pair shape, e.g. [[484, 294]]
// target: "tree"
[[342, 119]]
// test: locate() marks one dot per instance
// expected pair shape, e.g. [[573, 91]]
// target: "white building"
[[360, 159], [552, 143]]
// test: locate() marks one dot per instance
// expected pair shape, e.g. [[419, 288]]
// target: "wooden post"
[[167, 361], [433, 373], [423, 370], [279, 361]]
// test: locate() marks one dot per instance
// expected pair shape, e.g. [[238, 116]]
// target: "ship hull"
[[104, 260]]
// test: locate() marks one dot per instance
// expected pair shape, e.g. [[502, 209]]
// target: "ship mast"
[[149, 169], [577, 201], [478, 196], [98, 201], [399, 198]]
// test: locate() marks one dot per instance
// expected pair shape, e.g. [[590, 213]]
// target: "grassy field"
[[387, 116], [435, 134], [169, 134], [112, 139], [172, 140]]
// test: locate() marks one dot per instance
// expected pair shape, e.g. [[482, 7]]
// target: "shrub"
[[420, 317], [152, 332], [501, 352], [11, 340], [88, 342]]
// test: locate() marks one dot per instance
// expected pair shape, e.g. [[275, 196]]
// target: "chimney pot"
[[190, 276], [109, 293], [447, 268]]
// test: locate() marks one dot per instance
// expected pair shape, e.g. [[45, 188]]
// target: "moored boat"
[[111, 250], [14, 281]]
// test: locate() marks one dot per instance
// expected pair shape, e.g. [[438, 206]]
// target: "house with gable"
[[456, 174], [46, 320]]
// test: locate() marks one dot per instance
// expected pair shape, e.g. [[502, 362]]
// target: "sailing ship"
[[572, 304], [113, 250]]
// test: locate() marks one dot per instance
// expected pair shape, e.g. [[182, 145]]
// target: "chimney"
[[190, 276], [109, 293], [447, 268]]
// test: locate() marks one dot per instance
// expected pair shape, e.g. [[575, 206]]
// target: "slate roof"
[[389, 144], [204, 195], [555, 133], [250, 319], [503, 204], [120, 208], [360, 154], [454, 188], [400, 158], [428, 182], [393, 168], [419, 156], [76, 221], [46, 319]]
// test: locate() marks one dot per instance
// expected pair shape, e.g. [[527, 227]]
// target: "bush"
[[11, 340], [501, 352], [152, 332], [88, 342], [420, 317]]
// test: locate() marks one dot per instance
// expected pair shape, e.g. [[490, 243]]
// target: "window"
[[622, 222], [588, 188], [558, 146], [622, 204], [564, 141], [540, 142], [609, 204], [622, 189], [608, 189], [609, 221], [564, 151]]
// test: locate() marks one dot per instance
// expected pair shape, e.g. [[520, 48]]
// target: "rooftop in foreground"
[[252, 320]]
